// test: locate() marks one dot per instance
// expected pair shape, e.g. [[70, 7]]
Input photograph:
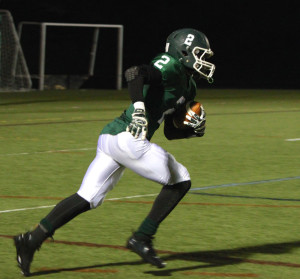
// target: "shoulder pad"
[[131, 73]]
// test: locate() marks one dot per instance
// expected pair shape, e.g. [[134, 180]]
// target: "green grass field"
[[240, 219]]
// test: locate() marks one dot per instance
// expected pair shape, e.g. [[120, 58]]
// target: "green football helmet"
[[191, 48]]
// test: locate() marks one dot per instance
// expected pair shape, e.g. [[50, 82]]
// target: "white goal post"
[[14, 74], [96, 27]]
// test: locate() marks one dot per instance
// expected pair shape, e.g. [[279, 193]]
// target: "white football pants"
[[115, 153]]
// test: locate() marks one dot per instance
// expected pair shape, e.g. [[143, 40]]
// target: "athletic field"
[[239, 220]]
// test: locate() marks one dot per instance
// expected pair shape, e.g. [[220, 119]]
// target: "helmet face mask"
[[204, 68], [191, 48]]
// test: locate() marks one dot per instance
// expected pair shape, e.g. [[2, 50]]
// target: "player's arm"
[[171, 132], [195, 127], [136, 77]]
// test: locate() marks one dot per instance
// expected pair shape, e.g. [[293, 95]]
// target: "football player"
[[157, 90]]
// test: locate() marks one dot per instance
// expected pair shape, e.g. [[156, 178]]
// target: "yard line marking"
[[28, 208], [296, 139], [52, 122], [218, 204], [131, 197], [108, 120], [151, 202], [221, 274], [193, 189], [245, 183], [45, 270], [244, 197], [208, 255], [47, 151], [47, 206]]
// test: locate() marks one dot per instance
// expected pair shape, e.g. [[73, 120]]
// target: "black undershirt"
[[146, 74]]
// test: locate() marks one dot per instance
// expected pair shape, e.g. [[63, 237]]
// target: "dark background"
[[256, 43]]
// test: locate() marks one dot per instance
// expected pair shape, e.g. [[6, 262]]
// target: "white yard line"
[[193, 189], [131, 197], [296, 139], [48, 151], [24, 209], [47, 206], [71, 150]]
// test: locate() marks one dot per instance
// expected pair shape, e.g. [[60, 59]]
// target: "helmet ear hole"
[[184, 53]]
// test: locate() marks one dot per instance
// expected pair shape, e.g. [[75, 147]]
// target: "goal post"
[[92, 48], [14, 74]]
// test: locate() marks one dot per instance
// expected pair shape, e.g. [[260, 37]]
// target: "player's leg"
[[144, 158], [173, 191], [168, 198], [102, 174], [100, 178], [154, 163], [27, 243]]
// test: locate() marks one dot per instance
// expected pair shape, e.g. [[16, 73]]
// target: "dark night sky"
[[256, 43]]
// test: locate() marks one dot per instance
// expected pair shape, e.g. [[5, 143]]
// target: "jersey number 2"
[[163, 61], [189, 39]]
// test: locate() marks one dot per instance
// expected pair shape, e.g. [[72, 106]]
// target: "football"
[[181, 115]]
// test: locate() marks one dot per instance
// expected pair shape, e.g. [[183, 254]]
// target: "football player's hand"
[[139, 123], [197, 122]]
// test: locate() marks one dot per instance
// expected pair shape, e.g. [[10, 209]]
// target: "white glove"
[[139, 123], [197, 122]]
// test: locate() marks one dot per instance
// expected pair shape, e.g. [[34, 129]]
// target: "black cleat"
[[145, 249], [25, 252]]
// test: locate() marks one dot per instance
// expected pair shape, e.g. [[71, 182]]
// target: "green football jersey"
[[177, 86]]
